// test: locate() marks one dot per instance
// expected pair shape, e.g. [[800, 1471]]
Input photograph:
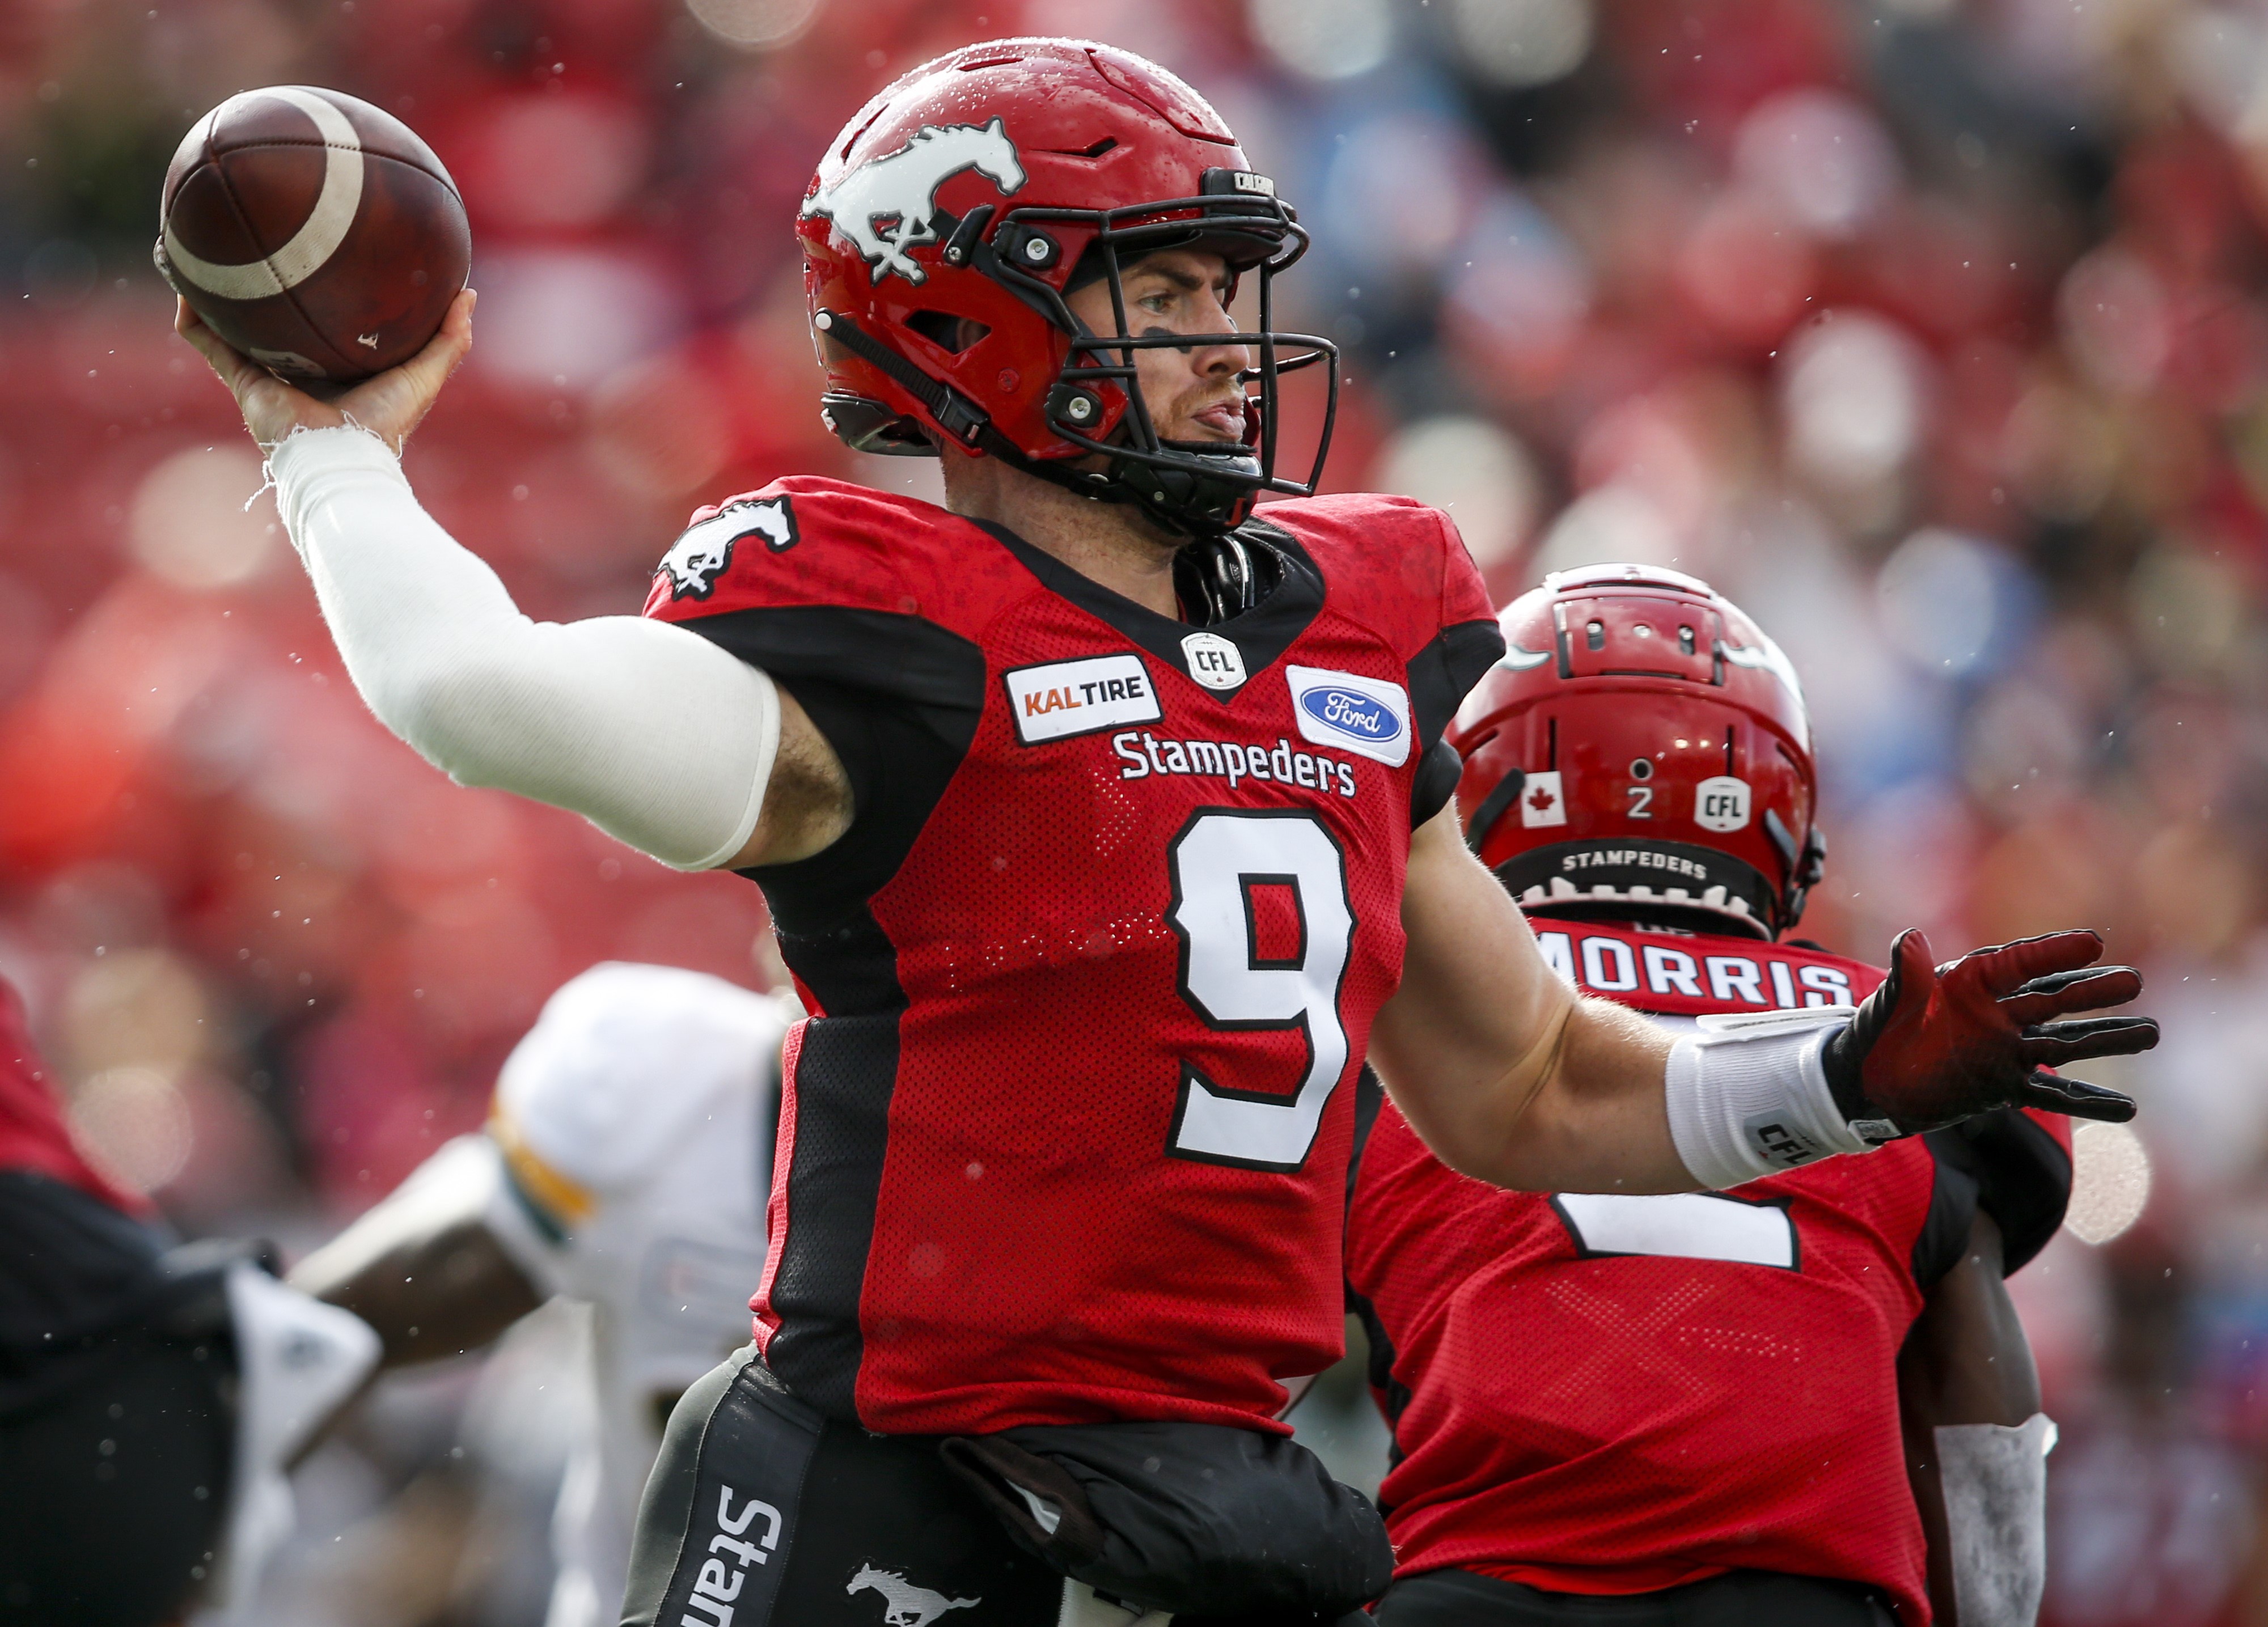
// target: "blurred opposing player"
[[149, 1396], [1103, 819], [1698, 1408], [625, 1166]]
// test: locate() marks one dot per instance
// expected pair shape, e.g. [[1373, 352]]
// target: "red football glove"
[[1937, 1043]]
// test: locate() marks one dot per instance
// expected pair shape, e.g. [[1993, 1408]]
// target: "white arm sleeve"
[[651, 732], [1995, 1481]]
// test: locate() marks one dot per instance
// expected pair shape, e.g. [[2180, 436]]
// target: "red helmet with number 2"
[[957, 208], [1642, 743]]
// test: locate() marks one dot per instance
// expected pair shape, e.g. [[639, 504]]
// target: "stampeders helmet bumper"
[[958, 210]]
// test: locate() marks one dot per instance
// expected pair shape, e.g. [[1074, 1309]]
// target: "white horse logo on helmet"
[[902, 186], [905, 1605]]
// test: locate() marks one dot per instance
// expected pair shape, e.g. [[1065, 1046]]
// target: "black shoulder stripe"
[[844, 1079], [1378, 1370], [1944, 1236], [1369, 1096], [903, 656], [2022, 1176], [1445, 671], [1438, 770]]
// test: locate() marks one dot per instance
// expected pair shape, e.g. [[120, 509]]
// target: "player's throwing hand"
[[1937, 1043], [389, 405]]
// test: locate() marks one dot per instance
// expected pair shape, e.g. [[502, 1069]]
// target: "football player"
[[149, 1396], [625, 1167], [1105, 823], [1699, 1408]]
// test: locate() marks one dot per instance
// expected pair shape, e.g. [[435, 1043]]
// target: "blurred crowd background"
[[1935, 332]]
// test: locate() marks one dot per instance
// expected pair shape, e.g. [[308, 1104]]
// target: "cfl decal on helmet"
[[886, 205], [1721, 804]]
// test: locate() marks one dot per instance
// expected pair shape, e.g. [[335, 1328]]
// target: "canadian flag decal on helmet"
[[884, 206]]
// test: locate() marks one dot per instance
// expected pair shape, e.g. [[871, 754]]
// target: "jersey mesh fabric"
[[1599, 1423], [980, 1218]]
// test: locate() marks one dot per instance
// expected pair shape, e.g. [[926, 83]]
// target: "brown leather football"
[[313, 231]]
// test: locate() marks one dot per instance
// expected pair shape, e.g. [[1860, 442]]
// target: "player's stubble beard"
[[985, 487]]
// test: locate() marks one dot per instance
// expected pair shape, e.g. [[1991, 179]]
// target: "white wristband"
[[1995, 1484], [1748, 1097]]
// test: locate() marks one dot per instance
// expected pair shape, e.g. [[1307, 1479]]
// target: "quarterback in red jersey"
[[1104, 822], [1705, 1405]]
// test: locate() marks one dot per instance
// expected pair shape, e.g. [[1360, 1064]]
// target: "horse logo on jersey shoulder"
[[905, 1605], [696, 560], [886, 205]]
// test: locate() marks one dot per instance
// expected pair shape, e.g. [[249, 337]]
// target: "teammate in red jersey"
[[1104, 824], [1696, 1409]]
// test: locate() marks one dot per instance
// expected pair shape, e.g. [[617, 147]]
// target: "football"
[[314, 233]]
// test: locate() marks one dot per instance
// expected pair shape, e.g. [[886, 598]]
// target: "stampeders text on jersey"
[[1145, 754]]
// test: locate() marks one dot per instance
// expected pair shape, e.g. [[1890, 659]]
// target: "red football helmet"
[[1641, 743], [954, 211]]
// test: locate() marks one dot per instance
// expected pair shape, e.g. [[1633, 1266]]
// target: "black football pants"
[[762, 1512], [1736, 1598]]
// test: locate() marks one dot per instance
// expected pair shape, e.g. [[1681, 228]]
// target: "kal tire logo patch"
[[699, 558], [885, 206], [1065, 698], [1366, 715]]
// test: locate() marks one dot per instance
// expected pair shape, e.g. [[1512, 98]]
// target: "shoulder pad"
[[623, 1065], [809, 540], [2020, 1161], [1393, 563]]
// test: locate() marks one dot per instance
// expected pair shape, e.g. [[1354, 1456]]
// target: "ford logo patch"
[[1351, 713]]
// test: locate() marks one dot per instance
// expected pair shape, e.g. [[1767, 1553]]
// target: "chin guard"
[[1222, 576]]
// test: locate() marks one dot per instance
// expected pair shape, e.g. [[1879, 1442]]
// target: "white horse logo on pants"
[[901, 188], [908, 1606]]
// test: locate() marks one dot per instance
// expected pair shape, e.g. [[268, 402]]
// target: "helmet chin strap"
[[1188, 501], [1211, 493], [1194, 502]]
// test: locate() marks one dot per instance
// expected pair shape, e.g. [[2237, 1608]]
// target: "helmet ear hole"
[[864, 424], [948, 333]]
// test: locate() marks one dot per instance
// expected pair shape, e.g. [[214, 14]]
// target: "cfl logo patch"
[[1721, 804], [1781, 1143]]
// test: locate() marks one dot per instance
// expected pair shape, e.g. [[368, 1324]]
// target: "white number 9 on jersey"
[[1216, 862]]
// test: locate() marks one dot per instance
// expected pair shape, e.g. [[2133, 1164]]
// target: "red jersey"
[[33, 1134], [1067, 1138], [1616, 1394]]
